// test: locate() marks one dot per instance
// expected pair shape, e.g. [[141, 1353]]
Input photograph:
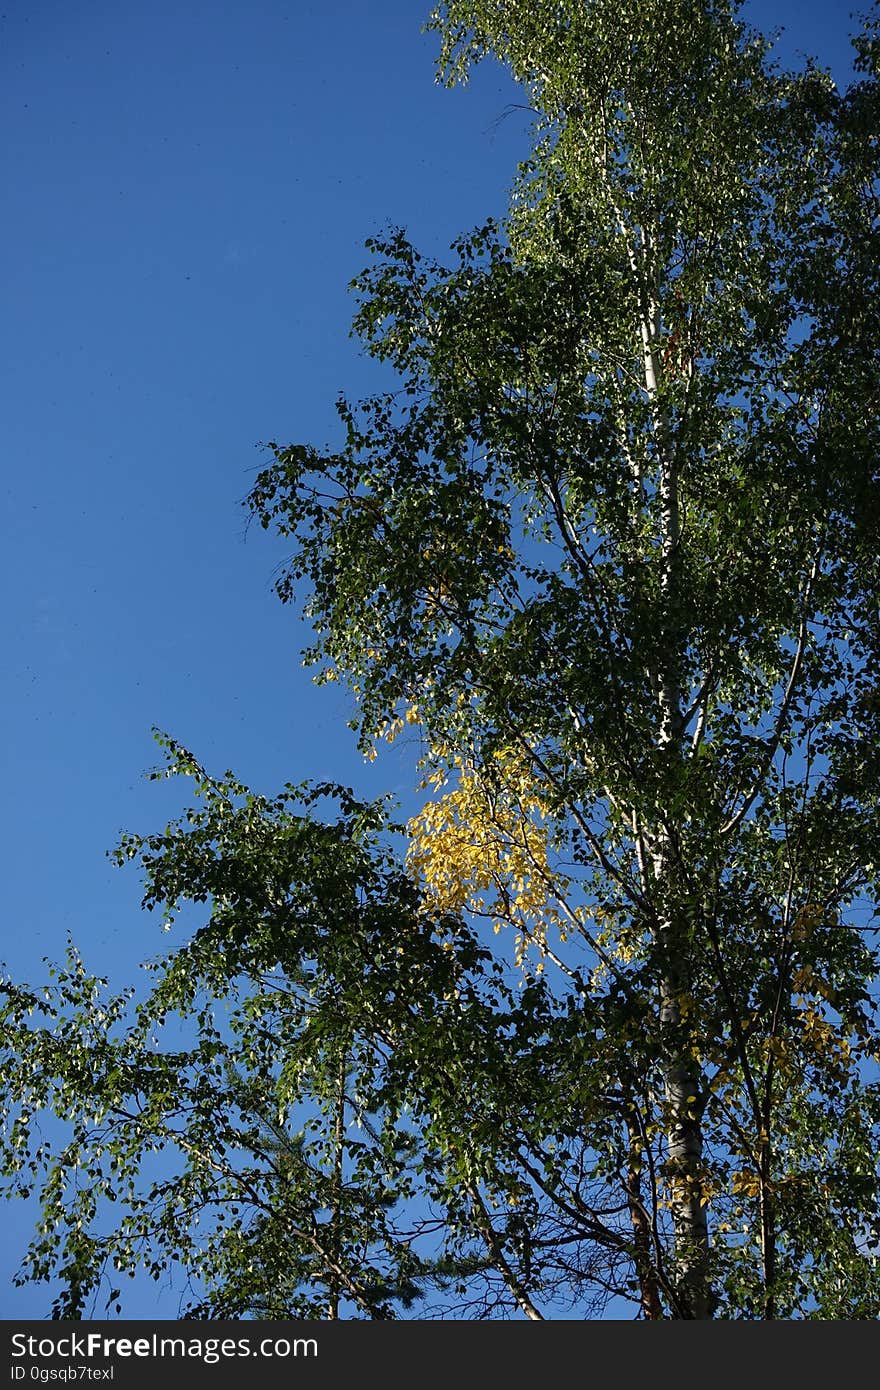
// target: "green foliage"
[[610, 544], [618, 526], [319, 1101], [259, 1067]]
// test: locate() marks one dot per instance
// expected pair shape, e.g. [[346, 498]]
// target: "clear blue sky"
[[186, 189]]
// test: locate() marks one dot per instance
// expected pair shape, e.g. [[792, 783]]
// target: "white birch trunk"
[[684, 1137]]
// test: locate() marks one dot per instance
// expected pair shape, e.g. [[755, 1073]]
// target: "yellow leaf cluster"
[[825, 1040], [807, 920], [745, 1184], [483, 847]]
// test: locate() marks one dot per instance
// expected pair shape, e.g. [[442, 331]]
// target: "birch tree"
[[610, 546], [605, 553]]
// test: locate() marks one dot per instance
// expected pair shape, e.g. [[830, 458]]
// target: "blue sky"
[[186, 189]]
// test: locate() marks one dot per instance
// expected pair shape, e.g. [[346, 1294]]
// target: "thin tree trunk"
[[768, 1231], [682, 1081], [338, 1154], [684, 1142], [652, 1308]]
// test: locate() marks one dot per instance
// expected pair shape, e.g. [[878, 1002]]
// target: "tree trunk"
[[683, 1099], [684, 1144], [652, 1308]]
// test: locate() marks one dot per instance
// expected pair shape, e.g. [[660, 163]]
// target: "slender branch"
[[495, 1248], [773, 742]]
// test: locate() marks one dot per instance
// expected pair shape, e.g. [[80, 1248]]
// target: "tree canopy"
[[597, 1023]]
